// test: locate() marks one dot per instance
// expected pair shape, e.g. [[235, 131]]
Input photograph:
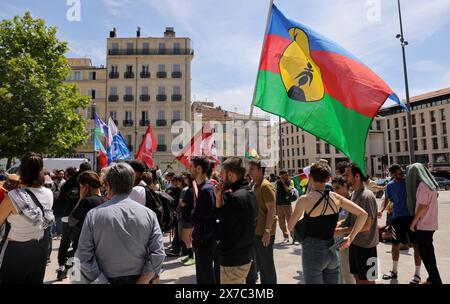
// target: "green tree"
[[38, 110]]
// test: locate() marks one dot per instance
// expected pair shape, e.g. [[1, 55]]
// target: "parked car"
[[443, 183]]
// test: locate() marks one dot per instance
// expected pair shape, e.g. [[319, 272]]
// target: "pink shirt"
[[427, 197]]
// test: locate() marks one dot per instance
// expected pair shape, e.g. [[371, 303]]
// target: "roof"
[[79, 62], [209, 113], [421, 98]]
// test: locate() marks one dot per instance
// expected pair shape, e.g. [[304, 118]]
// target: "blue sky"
[[227, 36]]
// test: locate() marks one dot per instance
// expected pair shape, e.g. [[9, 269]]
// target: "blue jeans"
[[320, 264]]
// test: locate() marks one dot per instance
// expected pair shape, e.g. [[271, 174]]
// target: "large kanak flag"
[[201, 144], [147, 147], [318, 86]]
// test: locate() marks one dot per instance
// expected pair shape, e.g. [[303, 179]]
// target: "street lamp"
[[404, 43]]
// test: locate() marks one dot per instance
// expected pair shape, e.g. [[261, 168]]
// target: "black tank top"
[[322, 226]]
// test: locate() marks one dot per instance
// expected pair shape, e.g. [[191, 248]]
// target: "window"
[[422, 118], [128, 115], [389, 135], [445, 142], [77, 76], [298, 129], [406, 145], [378, 125], [396, 122], [424, 144], [92, 75], [115, 47], [413, 119], [299, 165], [113, 115], [161, 115], [298, 151], [146, 47], [113, 91], [404, 121], [292, 129], [432, 116], [337, 151], [161, 90], [298, 141], [390, 148], [442, 112], [176, 115], [128, 140], [176, 91], [288, 163], [145, 69], [161, 67], [398, 146], [317, 139], [176, 48], [444, 128], [129, 69], [144, 90], [161, 139], [388, 123], [424, 132], [303, 139], [162, 47], [114, 69], [293, 154], [435, 143], [303, 150], [128, 90], [414, 132], [176, 68], [327, 149], [318, 148], [287, 152], [287, 130], [397, 134], [144, 115], [433, 130], [130, 48]]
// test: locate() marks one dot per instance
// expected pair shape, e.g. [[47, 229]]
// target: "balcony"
[[144, 123], [176, 74], [114, 75], [176, 97], [161, 97], [128, 98], [161, 122], [161, 75], [128, 75], [144, 97], [124, 52], [127, 123], [113, 98], [175, 120], [145, 74], [161, 148]]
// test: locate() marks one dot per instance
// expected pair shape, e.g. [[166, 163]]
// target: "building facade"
[[91, 82], [148, 83], [430, 123]]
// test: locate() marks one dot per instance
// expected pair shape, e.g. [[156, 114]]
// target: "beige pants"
[[346, 276], [234, 275], [284, 213]]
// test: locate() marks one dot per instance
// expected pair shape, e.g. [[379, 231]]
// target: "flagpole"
[[169, 166], [260, 57]]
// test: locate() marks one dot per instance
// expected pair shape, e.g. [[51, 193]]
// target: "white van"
[[51, 164]]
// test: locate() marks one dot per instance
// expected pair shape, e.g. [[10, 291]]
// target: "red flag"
[[102, 159], [148, 145], [201, 144]]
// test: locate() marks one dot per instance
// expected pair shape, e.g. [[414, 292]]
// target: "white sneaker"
[[286, 240]]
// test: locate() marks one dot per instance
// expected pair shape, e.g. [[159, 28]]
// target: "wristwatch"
[[267, 230]]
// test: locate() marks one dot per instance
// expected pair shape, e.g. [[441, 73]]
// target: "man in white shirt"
[[138, 192]]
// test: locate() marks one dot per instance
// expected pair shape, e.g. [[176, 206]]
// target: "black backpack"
[[163, 205]]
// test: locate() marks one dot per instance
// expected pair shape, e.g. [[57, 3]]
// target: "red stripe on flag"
[[353, 84], [273, 49]]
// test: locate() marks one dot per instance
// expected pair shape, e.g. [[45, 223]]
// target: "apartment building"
[[148, 83], [91, 81]]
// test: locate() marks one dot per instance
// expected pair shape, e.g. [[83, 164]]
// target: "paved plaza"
[[288, 257]]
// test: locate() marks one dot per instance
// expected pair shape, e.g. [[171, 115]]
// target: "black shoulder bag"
[[301, 226]]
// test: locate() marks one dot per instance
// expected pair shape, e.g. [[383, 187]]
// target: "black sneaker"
[[61, 274], [173, 254], [390, 276]]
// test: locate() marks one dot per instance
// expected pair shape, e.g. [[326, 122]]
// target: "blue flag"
[[118, 149]]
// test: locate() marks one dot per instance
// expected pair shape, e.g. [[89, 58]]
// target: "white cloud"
[[118, 8]]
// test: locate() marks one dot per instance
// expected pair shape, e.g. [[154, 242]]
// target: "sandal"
[[390, 276], [415, 280]]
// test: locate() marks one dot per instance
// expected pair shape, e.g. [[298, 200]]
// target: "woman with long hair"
[[184, 215]]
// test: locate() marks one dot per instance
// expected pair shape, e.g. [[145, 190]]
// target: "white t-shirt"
[[138, 193], [22, 230]]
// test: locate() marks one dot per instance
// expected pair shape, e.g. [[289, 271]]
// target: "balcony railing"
[[161, 122], [161, 75], [118, 52], [128, 75], [161, 148], [161, 97], [144, 123], [128, 97], [176, 97], [176, 74], [145, 74], [144, 97], [127, 123], [113, 75], [113, 98]]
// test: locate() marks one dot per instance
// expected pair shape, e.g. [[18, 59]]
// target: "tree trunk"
[[8, 164]]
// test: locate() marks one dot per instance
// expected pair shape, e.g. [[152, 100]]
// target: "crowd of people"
[[111, 225]]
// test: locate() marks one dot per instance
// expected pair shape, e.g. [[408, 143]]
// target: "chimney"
[[169, 33], [138, 32], [113, 33]]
